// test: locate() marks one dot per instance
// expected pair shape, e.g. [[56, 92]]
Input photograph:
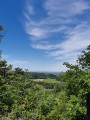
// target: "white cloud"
[[68, 56], [45, 47], [19, 63], [15, 62], [4, 56], [30, 9], [9, 59], [76, 39], [34, 31], [65, 8], [37, 33], [59, 12], [62, 18], [55, 21]]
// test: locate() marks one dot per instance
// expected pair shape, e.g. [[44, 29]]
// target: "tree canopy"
[[1, 36], [84, 58]]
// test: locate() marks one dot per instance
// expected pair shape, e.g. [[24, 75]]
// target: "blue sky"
[[42, 34]]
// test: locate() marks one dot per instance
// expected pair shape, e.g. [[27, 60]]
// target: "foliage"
[[4, 68], [1, 36], [21, 98], [42, 75], [19, 71], [84, 59]]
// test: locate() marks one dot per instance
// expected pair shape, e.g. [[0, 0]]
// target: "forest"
[[41, 96]]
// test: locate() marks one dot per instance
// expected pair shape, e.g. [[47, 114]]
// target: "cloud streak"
[[15, 62], [63, 22], [65, 8]]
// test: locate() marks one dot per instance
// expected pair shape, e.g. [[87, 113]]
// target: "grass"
[[46, 80], [37, 80], [50, 80]]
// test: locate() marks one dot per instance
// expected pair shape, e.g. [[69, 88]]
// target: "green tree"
[[19, 71], [84, 59], [1, 36], [4, 68], [77, 84]]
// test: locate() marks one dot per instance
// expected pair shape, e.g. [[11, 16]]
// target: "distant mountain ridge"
[[56, 73]]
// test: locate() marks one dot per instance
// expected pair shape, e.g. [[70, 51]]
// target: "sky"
[[42, 34]]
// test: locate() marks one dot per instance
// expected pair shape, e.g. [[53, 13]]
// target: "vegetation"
[[42, 76], [22, 98], [1, 36]]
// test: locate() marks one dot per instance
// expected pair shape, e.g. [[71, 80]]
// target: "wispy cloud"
[[58, 12], [65, 8], [30, 8], [19, 63], [46, 47], [4, 56], [76, 40], [63, 19], [15, 62]]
